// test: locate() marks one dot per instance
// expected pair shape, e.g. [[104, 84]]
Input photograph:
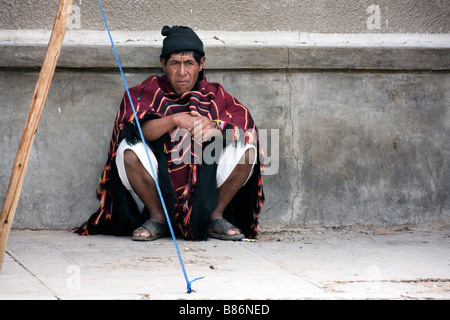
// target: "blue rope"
[[188, 283]]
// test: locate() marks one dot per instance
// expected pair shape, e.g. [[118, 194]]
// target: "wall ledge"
[[236, 50]]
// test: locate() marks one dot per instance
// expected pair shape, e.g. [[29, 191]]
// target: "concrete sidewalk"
[[285, 263]]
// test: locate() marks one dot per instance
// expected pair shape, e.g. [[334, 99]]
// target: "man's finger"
[[210, 133], [195, 113]]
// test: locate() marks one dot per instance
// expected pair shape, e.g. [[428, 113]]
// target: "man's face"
[[182, 71]]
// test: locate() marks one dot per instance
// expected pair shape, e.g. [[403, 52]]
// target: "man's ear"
[[163, 63], [202, 62]]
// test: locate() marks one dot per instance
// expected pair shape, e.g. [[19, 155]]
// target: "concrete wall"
[[317, 16], [359, 102]]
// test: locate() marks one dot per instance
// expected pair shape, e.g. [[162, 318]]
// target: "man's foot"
[[150, 230], [222, 229]]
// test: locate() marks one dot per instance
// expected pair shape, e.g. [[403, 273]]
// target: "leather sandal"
[[157, 230], [223, 226]]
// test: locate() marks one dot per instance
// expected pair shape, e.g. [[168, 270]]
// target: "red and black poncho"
[[188, 188]]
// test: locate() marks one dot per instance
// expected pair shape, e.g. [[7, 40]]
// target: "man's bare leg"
[[231, 186], [144, 186]]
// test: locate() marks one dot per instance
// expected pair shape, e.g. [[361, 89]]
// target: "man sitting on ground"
[[204, 151]]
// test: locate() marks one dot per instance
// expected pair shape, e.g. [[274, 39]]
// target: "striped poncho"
[[188, 187]]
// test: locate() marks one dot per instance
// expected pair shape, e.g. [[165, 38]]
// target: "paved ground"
[[285, 263]]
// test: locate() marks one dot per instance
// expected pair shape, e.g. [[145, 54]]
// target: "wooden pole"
[[34, 114]]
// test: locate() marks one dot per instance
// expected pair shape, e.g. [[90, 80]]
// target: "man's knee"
[[249, 157], [135, 168], [130, 159]]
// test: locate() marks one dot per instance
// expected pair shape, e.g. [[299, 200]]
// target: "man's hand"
[[204, 129], [200, 127]]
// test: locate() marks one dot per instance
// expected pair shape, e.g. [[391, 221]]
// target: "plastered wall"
[[353, 96]]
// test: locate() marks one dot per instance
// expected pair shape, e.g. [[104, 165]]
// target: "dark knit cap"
[[179, 38]]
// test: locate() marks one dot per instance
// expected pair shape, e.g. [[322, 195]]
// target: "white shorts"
[[228, 160]]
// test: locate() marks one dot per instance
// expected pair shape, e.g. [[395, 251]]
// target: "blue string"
[[188, 283]]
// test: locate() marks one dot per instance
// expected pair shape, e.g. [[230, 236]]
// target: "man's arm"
[[154, 129], [197, 125]]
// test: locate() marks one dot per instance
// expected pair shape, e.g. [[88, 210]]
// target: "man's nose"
[[182, 70]]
